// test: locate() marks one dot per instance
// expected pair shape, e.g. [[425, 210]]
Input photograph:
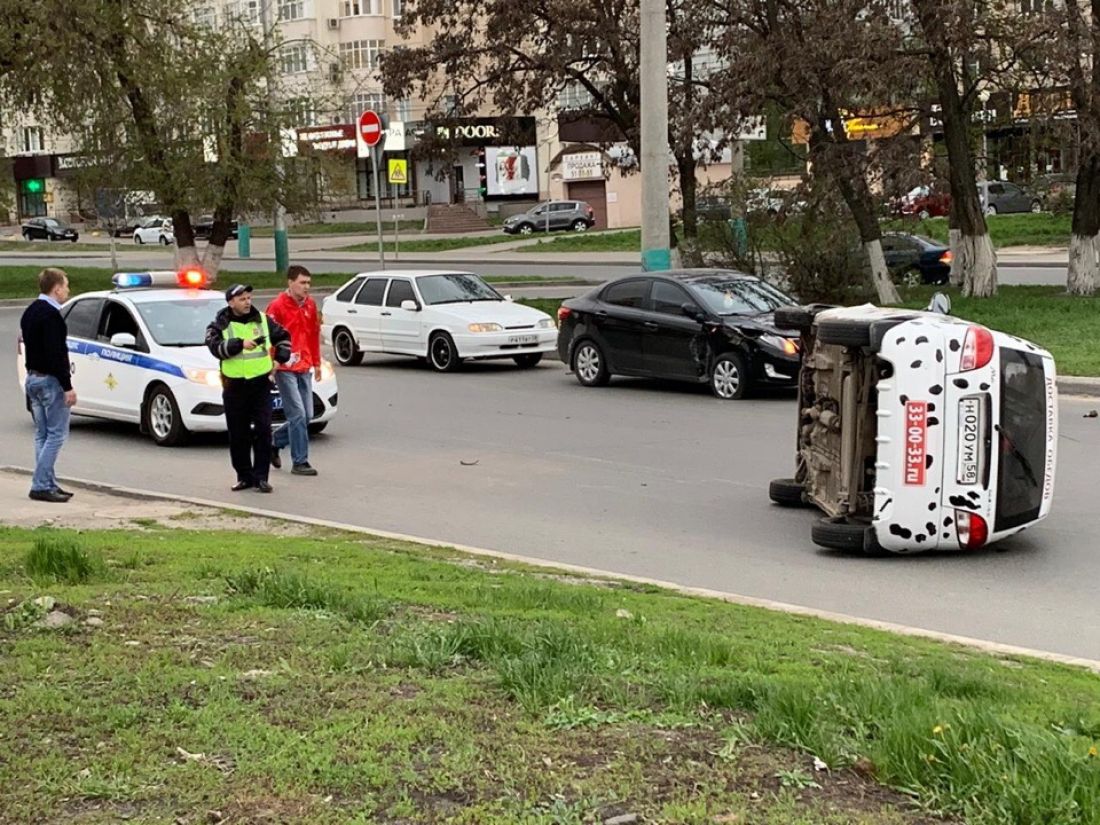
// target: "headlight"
[[787, 346], [485, 328], [327, 372], [547, 323], [211, 378]]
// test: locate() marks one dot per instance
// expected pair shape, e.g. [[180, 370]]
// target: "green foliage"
[[62, 559]]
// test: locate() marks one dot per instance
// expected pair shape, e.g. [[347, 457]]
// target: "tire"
[[840, 535], [589, 365], [344, 349], [1036, 207], [138, 240], [442, 353], [318, 428], [580, 225], [163, 241], [528, 360], [786, 492], [912, 277], [162, 418], [73, 240], [729, 377], [794, 318], [28, 237], [991, 210], [526, 229], [844, 333], [924, 215]]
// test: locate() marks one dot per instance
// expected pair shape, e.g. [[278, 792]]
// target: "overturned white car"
[[919, 431]]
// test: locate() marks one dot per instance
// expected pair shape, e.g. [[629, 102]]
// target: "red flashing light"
[[972, 530], [192, 277], [977, 348]]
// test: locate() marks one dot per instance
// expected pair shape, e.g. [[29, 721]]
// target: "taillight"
[[977, 348], [947, 257], [563, 313], [972, 530]]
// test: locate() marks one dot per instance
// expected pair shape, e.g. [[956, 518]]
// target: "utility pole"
[[282, 246], [656, 254]]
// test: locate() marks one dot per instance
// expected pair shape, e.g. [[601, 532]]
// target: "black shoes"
[[263, 487], [241, 485], [65, 493], [52, 496], [276, 462], [303, 469]]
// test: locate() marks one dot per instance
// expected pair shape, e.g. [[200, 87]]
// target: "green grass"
[[476, 691], [61, 559], [432, 244], [1005, 230], [20, 281], [338, 228], [46, 248], [629, 240]]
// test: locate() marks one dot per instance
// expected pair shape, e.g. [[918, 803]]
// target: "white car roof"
[[411, 273], [140, 295]]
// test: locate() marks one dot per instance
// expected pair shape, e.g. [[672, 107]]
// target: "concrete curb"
[[983, 645]]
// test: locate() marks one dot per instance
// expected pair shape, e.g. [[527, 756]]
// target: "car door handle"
[[600, 314], [652, 326], [353, 312], [387, 313]]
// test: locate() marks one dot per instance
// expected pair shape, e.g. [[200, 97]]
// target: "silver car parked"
[[1002, 198]]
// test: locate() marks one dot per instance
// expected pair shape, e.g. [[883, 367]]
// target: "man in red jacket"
[[296, 311]]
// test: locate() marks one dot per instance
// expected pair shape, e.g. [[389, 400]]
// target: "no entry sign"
[[370, 128]]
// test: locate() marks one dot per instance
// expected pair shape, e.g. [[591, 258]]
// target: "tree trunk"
[[1082, 274], [186, 254], [977, 259], [685, 166], [880, 274], [955, 242]]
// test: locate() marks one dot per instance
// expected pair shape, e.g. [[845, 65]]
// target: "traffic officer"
[[247, 343]]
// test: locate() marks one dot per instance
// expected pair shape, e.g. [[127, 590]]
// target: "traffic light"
[[483, 185], [34, 186]]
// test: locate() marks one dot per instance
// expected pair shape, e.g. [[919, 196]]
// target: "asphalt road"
[[1016, 271], [642, 478]]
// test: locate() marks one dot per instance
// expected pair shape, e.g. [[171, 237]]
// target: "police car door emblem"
[[110, 381]]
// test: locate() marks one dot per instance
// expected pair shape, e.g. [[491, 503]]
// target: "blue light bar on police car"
[[192, 277]]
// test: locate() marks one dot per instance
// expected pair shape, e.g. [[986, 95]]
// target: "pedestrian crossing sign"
[[398, 171]]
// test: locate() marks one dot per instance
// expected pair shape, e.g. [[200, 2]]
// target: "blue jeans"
[[296, 390], [51, 428]]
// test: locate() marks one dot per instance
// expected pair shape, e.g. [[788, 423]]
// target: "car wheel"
[[589, 365], [729, 378], [1036, 206], [841, 534], [442, 353], [912, 277], [991, 210], [163, 240], [28, 237], [844, 333], [73, 240], [319, 427], [162, 418], [526, 229], [786, 492], [344, 348], [580, 225], [138, 240], [924, 214], [528, 360]]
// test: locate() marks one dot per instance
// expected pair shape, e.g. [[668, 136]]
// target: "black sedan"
[[48, 229], [205, 225], [915, 259], [700, 325]]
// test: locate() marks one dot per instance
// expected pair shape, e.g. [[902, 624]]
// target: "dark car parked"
[[700, 325], [48, 229], [915, 259], [204, 225]]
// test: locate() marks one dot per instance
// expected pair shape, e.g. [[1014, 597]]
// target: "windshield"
[[1021, 439], [180, 322], [740, 297], [454, 289]]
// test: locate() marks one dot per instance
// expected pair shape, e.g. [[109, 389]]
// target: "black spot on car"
[[904, 400], [963, 501], [931, 528], [933, 421], [961, 383], [901, 339], [928, 462], [935, 389], [973, 495], [947, 535], [939, 356], [954, 345], [947, 522], [937, 489], [932, 506], [915, 365], [921, 340], [983, 387], [898, 530], [920, 539], [931, 407]]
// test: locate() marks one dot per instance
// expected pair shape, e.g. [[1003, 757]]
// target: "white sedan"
[[444, 317], [137, 354], [155, 230]]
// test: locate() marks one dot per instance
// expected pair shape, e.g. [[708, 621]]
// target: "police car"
[[919, 431], [137, 354]]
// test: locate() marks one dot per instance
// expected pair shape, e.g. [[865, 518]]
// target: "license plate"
[[916, 439], [276, 402], [523, 339], [970, 434]]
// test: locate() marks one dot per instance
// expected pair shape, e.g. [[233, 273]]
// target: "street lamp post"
[[983, 170]]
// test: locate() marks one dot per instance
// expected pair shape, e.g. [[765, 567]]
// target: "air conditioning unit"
[[333, 22], [335, 72]]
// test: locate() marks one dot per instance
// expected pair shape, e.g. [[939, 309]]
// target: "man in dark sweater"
[[49, 386]]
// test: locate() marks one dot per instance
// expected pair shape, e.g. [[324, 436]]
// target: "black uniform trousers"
[[248, 416]]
